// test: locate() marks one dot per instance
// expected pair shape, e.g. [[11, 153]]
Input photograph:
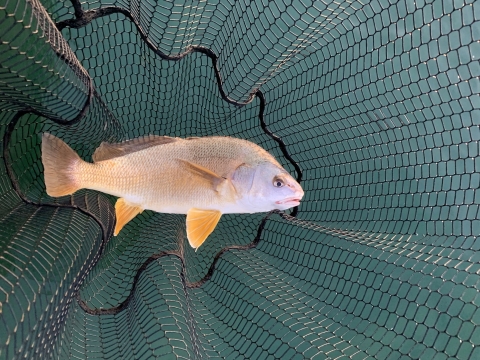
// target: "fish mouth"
[[293, 201]]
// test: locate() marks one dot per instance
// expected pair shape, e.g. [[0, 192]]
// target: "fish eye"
[[277, 182]]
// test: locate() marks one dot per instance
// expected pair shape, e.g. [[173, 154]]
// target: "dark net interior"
[[373, 105]]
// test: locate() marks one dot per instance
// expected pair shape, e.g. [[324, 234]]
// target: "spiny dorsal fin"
[[200, 224], [124, 212], [107, 151]]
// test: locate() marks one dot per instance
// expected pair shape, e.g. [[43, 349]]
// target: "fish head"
[[267, 186]]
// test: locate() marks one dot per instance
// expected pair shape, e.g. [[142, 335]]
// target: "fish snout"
[[295, 198], [295, 187]]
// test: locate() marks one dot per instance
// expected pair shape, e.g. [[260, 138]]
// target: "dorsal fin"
[[107, 151]]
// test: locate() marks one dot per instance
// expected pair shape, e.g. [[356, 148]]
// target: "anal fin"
[[124, 212], [200, 224]]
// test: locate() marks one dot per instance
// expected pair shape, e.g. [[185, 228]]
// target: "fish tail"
[[60, 163]]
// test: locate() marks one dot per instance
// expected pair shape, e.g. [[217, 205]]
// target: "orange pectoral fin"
[[200, 224], [124, 213]]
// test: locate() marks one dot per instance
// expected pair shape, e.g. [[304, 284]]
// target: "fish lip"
[[289, 201]]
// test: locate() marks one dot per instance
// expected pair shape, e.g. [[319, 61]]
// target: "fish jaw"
[[289, 202]]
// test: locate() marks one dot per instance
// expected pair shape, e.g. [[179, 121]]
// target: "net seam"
[[14, 182], [124, 304], [88, 265]]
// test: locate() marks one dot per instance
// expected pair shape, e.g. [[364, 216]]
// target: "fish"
[[202, 177]]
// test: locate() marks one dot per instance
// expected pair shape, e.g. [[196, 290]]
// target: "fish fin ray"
[[200, 224], [107, 151], [59, 162], [124, 212], [204, 173]]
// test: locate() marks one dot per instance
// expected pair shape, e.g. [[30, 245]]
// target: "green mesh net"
[[373, 105]]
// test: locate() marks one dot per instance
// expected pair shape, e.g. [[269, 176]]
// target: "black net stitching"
[[85, 17], [16, 188], [186, 284], [88, 265], [280, 142], [63, 51]]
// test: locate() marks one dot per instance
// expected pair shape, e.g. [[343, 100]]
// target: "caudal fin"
[[60, 163]]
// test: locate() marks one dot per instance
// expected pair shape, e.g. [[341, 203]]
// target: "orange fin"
[[124, 213], [107, 151], [200, 224], [59, 163]]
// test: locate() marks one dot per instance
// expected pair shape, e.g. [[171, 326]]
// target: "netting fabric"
[[373, 105]]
